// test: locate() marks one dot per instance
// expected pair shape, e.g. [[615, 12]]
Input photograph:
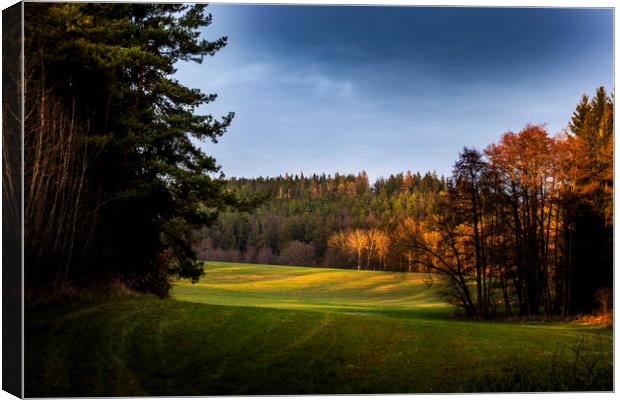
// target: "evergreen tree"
[[113, 66], [590, 206]]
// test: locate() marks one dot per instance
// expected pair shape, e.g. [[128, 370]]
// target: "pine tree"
[[113, 65], [590, 208]]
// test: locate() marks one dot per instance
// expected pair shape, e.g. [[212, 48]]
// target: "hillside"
[[321, 289]]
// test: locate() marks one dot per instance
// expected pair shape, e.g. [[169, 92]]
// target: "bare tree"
[[382, 240], [468, 172], [57, 220], [358, 241]]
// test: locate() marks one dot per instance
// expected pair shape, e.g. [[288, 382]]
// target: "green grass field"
[[254, 329], [317, 289]]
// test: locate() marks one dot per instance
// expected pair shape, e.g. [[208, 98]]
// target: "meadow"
[[260, 329]]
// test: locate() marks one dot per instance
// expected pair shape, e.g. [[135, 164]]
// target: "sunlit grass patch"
[[311, 288]]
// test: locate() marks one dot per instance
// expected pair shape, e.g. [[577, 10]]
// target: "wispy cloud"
[[241, 74], [318, 84]]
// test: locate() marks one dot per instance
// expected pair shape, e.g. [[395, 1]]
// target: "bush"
[[297, 253]]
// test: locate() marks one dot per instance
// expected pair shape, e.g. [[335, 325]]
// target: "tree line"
[[323, 220], [523, 227]]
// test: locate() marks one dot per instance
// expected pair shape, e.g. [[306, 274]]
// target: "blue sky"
[[390, 89]]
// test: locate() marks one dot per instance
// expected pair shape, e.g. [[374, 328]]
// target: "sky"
[[325, 89]]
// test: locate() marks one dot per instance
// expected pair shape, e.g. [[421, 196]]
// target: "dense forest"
[[523, 227], [313, 221]]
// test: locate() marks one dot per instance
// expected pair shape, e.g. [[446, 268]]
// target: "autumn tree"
[[525, 163], [438, 244], [372, 243], [357, 240], [382, 244]]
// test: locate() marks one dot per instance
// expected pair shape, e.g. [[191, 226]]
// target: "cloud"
[[241, 74], [319, 84], [276, 80]]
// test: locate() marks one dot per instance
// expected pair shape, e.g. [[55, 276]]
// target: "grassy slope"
[[318, 289], [382, 333]]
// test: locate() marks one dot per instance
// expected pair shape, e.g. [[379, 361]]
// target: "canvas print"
[[234, 199]]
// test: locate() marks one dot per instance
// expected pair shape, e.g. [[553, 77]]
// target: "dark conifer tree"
[[590, 208], [112, 67]]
